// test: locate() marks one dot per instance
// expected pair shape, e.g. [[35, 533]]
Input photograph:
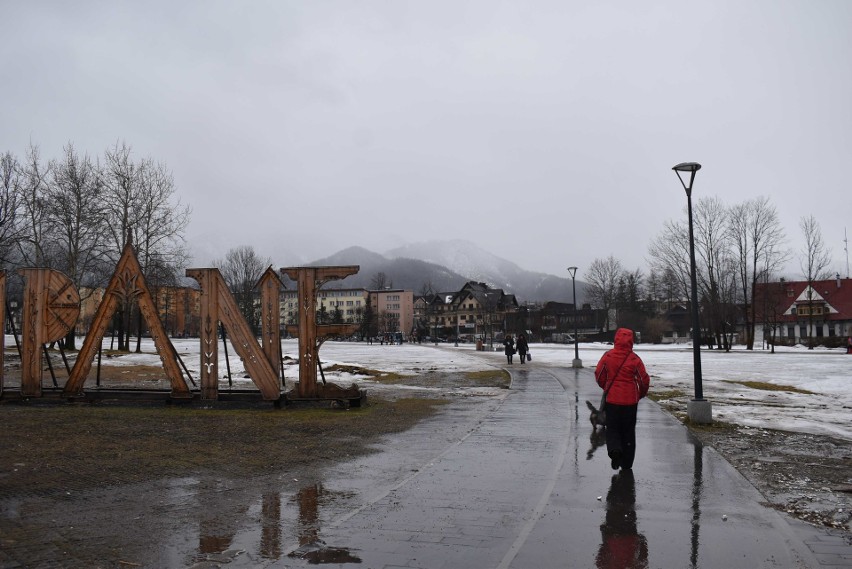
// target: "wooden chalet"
[[796, 312]]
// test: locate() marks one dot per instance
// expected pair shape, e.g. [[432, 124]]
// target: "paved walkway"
[[529, 487]]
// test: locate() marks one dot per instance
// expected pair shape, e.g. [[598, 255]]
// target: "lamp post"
[[577, 361], [456, 310], [698, 409]]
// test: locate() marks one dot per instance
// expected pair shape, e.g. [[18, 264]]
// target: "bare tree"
[[757, 237], [158, 231], [11, 187], [669, 256], [34, 224], [77, 222], [121, 194], [242, 268], [712, 259], [141, 203], [160, 218], [815, 259], [602, 278], [380, 281]]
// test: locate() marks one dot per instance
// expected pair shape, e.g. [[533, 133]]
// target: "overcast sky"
[[545, 132]]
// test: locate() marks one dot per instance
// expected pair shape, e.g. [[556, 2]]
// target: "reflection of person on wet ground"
[[622, 546]]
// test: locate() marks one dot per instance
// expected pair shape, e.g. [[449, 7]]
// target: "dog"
[[595, 416]]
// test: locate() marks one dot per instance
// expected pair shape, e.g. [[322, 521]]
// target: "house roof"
[[833, 294]]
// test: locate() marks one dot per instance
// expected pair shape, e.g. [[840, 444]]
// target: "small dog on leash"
[[596, 417]]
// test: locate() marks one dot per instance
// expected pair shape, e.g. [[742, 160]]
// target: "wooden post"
[[51, 307], [270, 309], [311, 336], [218, 305], [208, 336]]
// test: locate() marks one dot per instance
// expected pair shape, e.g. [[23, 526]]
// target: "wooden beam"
[[309, 280], [50, 310], [270, 309], [218, 305], [127, 284]]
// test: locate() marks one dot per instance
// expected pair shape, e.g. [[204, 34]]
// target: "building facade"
[[799, 312]]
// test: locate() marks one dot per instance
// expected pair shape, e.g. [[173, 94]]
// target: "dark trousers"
[[621, 432]]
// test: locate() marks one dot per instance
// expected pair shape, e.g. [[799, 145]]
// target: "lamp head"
[[572, 271], [684, 167]]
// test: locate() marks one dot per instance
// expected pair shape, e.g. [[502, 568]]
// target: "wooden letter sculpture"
[[50, 310], [312, 335], [270, 307], [218, 305], [127, 284]]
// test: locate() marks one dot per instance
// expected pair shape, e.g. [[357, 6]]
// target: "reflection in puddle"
[[229, 525], [270, 519], [317, 553], [311, 547], [697, 490], [216, 532], [621, 543]]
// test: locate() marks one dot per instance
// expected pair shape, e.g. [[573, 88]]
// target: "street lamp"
[[698, 409], [456, 310], [577, 361]]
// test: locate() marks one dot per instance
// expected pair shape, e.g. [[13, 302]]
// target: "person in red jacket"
[[621, 373]]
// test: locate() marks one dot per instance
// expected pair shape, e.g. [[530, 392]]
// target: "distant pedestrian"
[[509, 345], [849, 345], [522, 347], [621, 373]]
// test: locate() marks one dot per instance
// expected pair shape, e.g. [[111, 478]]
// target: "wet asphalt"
[[529, 486]]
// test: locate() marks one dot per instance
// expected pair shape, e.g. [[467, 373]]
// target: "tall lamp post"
[[577, 361], [456, 310], [698, 409]]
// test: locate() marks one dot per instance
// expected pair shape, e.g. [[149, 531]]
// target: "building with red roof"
[[797, 312]]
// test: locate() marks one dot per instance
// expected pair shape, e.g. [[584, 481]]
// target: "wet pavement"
[[530, 487], [517, 481]]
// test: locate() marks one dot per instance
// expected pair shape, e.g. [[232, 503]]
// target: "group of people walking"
[[510, 347]]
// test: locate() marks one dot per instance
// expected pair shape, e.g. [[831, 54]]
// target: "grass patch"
[[61, 446], [490, 377], [390, 377], [764, 386], [664, 395], [715, 427]]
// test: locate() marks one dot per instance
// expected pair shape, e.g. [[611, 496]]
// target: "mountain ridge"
[[445, 266]]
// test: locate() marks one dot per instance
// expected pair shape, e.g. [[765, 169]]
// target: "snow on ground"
[[826, 375]]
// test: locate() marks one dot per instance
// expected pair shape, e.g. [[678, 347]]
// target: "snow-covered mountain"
[[445, 266]]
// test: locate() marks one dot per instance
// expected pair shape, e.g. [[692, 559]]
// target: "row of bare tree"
[[74, 213], [736, 247]]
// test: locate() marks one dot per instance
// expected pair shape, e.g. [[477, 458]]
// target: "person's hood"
[[624, 339]]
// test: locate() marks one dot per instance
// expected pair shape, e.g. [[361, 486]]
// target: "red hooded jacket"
[[623, 372]]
